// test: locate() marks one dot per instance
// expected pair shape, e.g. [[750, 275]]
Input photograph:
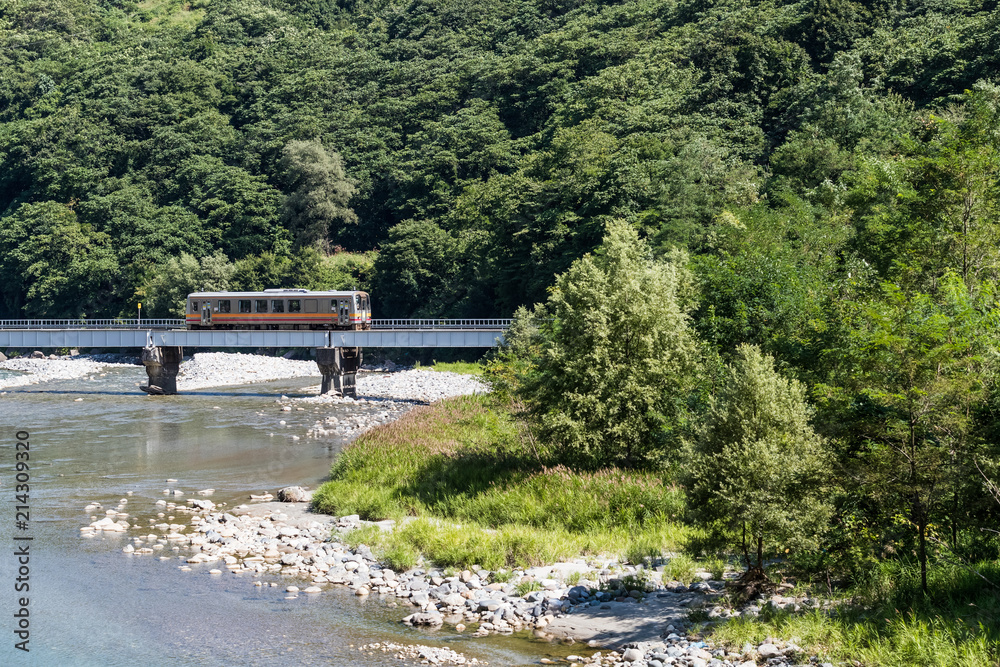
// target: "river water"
[[90, 604]]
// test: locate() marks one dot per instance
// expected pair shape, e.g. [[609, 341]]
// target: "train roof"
[[273, 293]]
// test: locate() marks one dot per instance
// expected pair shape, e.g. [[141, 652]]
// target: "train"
[[279, 309]]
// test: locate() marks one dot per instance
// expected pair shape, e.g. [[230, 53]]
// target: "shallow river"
[[90, 604]]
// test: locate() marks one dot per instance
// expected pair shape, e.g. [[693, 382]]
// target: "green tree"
[[319, 193], [913, 375], [759, 471], [414, 270], [611, 378], [51, 265], [166, 292]]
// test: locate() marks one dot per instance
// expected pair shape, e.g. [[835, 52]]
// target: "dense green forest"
[[798, 150]]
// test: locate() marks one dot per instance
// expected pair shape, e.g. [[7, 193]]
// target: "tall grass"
[[463, 461], [893, 624]]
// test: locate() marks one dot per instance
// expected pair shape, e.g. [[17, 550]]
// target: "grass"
[[957, 624], [679, 568], [480, 496], [460, 367]]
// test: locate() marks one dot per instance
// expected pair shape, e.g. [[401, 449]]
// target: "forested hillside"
[[797, 149]]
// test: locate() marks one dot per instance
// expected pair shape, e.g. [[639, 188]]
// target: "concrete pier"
[[339, 367], [162, 365]]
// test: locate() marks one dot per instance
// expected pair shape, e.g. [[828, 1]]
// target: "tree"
[[610, 381], [914, 370], [319, 192], [166, 292], [59, 267], [414, 270], [759, 470]]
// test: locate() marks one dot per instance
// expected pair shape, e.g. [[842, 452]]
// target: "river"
[[91, 604]]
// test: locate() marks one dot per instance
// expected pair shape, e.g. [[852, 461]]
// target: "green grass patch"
[[679, 568], [957, 623], [460, 367], [463, 461]]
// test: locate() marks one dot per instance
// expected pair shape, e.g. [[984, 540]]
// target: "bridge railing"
[[116, 323], [440, 324]]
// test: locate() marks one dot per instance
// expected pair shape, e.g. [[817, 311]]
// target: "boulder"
[[3, 357], [768, 651], [632, 655], [37, 355]]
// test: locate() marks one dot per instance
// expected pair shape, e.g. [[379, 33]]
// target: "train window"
[[261, 305], [333, 305], [245, 306], [294, 306], [311, 305], [357, 301], [194, 306], [277, 306], [225, 306]]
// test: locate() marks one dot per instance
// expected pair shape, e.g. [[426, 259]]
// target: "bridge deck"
[[111, 338]]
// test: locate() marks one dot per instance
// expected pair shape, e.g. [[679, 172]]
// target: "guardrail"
[[92, 324], [441, 324], [381, 324]]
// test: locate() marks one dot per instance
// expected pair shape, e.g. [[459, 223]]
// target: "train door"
[[366, 312], [343, 312], [206, 314]]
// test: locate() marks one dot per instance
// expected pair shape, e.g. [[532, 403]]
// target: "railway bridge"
[[338, 352]]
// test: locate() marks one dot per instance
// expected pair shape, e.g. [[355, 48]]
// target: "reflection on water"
[[92, 605]]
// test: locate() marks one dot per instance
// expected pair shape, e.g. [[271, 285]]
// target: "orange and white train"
[[279, 309]]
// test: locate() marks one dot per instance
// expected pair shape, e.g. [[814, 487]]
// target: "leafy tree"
[[759, 473], [934, 210], [610, 380], [239, 210], [912, 374], [166, 292], [414, 268], [51, 265], [320, 193]]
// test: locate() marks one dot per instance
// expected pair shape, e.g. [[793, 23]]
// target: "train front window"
[[294, 306], [245, 306], [357, 301], [225, 306], [277, 306], [261, 305]]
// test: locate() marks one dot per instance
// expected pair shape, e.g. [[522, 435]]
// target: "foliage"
[[609, 382], [319, 192], [166, 292], [462, 460], [760, 470]]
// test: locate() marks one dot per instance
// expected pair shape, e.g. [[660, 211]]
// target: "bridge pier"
[[339, 367], [162, 365]]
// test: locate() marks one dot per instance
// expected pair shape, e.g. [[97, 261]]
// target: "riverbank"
[[36, 371], [624, 612]]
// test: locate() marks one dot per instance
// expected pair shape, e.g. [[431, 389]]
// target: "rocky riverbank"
[[34, 371], [216, 369], [627, 608], [624, 613]]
